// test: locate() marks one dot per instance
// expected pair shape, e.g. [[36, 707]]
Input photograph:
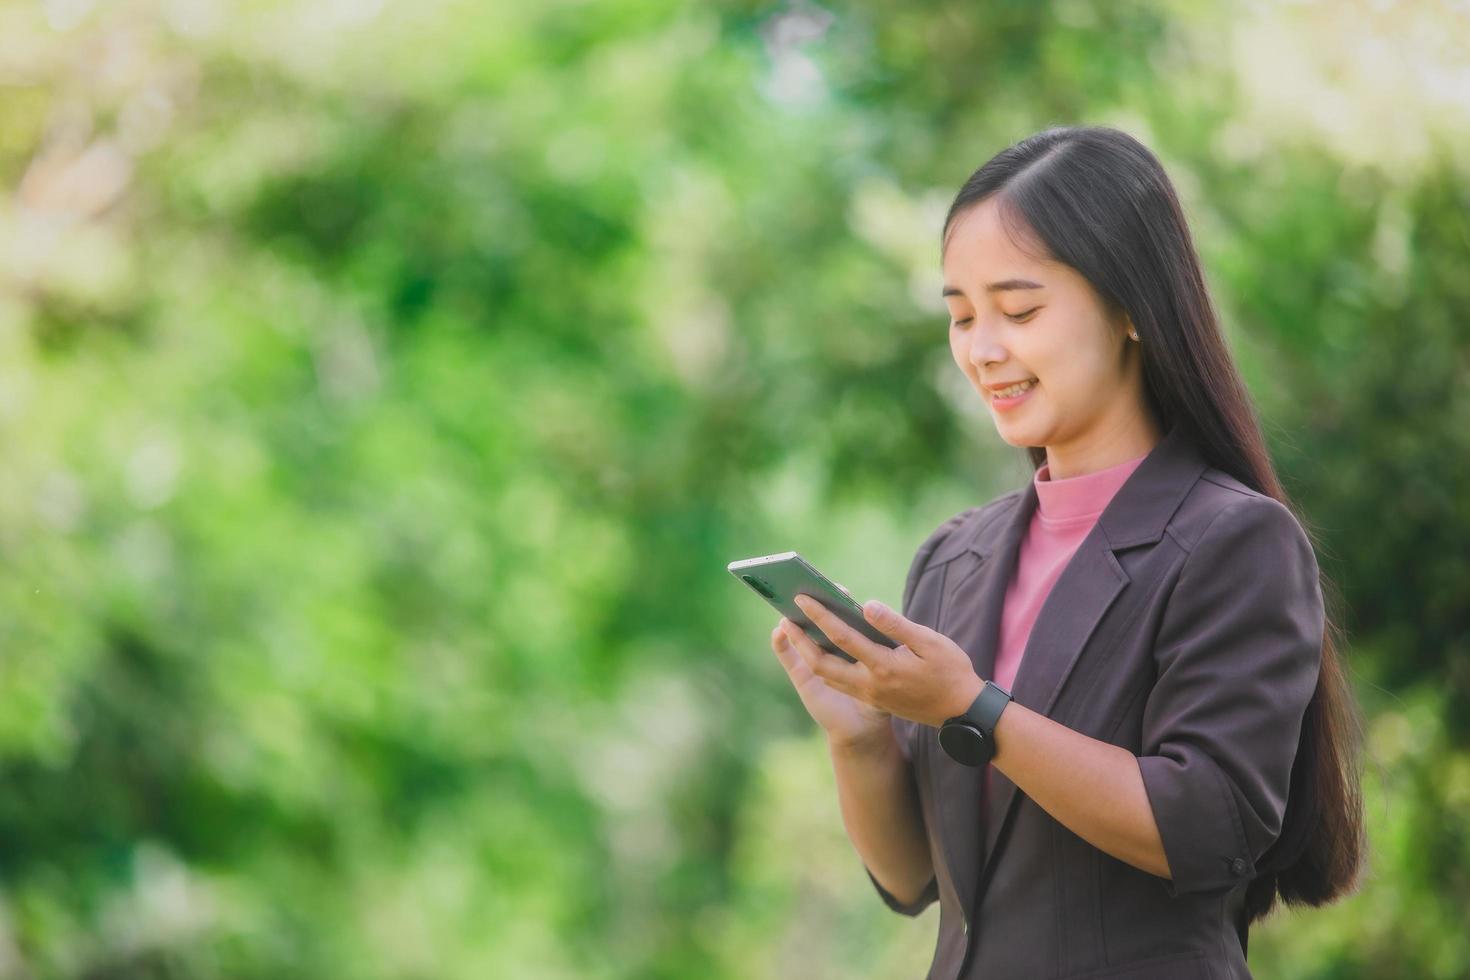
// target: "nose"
[[984, 348]]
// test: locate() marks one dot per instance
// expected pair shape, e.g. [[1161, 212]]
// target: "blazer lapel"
[[1083, 593], [1087, 587], [970, 612]]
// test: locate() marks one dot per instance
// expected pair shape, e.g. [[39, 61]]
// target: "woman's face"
[[1013, 318]]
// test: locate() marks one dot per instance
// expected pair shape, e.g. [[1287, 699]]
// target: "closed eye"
[[1016, 317]]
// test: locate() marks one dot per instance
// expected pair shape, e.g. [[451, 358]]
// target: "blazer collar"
[[1147, 501], [1137, 514], [972, 601]]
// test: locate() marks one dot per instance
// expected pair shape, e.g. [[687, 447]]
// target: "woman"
[[1116, 728]]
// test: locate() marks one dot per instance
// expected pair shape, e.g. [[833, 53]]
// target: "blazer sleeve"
[[1237, 656], [904, 730]]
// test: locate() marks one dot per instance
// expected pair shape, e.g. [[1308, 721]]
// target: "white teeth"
[[1015, 390]]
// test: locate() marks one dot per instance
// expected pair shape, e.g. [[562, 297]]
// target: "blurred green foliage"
[[385, 387]]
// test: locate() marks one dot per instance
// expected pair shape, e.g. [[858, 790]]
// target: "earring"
[[1132, 333]]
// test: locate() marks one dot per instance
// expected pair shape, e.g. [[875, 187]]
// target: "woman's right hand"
[[846, 720]]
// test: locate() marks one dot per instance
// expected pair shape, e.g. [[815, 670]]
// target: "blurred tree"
[[386, 386]]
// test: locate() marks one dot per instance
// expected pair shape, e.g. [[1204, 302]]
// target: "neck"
[[1102, 448]]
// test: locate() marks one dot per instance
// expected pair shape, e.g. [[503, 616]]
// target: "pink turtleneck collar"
[[1079, 499]]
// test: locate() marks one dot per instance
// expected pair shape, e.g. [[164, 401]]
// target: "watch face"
[[965, 744]]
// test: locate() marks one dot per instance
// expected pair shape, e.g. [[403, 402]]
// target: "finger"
[[798, 641], [799, 659], [803, 654], [848, 639], [890, 623], [807, 655], [830, 668], [787, 653]]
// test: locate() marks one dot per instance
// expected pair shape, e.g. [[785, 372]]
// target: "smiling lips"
[[1014, 394], [1009, 388]]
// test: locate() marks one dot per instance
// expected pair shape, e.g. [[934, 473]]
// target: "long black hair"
[[1100, 202]]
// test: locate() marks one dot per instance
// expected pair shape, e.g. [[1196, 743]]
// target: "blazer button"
[[1237, 867]]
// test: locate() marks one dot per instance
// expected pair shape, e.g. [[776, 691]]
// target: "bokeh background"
[[385, 386]]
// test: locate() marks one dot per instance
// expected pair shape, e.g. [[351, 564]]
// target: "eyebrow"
[[997, 287]]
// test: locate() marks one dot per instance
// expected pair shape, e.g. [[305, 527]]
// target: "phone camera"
[[759, 586]]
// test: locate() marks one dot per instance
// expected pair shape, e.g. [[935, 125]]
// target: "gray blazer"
[[1187, 628]]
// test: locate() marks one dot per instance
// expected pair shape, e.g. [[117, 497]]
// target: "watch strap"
[[985, 710], [969, 738]]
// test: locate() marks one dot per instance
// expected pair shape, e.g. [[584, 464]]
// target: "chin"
[[1020, 436], [1012, 437]]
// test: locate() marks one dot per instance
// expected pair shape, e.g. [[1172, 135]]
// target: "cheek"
[[959, 350], [1071, 360], [1082, 380]]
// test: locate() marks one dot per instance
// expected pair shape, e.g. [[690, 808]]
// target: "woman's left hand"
[[927, 678]]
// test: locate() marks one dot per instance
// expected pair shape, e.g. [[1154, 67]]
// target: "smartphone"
[[779, 579]]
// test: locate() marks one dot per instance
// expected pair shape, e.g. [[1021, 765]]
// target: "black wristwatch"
[[970, 738]]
